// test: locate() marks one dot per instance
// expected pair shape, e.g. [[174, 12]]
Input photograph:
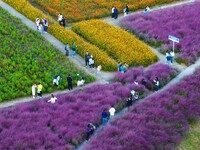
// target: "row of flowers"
[[75, 10], [158, 123], [65, 35], [156, 26], [26, 58], [62, 125], [119, 44]]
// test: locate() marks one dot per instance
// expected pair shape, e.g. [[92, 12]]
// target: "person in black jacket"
[[115, 12], [69, 81], [87, 57]]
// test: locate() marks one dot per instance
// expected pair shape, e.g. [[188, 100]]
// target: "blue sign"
[[174, 39]]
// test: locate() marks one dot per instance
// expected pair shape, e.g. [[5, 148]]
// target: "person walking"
[[39, 87], [56, 80], [69, 81], [92, 128], [45, 25], [104, 117], [67, 49], [129, 101], [99, 69], [34, 86], [115, 13], [53, 99], [74, 49], [112, 111], [91, 62], [60, 17], [156, 82], [40, 29], [88, 130], [37, 21], [112, 12], [87, 57], [127, 9]]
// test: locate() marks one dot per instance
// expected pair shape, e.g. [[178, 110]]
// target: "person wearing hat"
[[91, 62]]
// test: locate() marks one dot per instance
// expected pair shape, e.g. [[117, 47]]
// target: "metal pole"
[[173, 46]]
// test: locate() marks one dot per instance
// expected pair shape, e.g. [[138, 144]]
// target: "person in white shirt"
[[91, 62], [156, 82], [33, 90], [56, 80], [99, 69], [112, 112], [113, 12], [60, 17], [53, 99], [81, 82], [37, 21], [136, 82]]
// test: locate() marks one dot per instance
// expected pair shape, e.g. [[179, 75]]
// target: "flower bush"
[[54, 126], [157, 123], [119, 44], [26, 58], [164, 73], [75, 10], [65, 35], [180, 22]]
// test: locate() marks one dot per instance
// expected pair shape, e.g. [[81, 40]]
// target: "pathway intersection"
[[105, 76]]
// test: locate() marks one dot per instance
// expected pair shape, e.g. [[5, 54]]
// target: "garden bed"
[[26, 58], [179, 21], [119, 44]]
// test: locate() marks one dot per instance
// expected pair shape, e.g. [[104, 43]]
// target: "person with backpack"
[[91, 62], [87, 57], [74, 49]]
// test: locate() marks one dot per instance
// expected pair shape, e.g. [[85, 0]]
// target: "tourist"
[[92, 128], [87, 57], [74, 49], [56, 80], [53, 99], [99, 69], [119, 66], [39, 87], [40, 28], [69, 81], [126, 10], [156, 83], [122, 69], [60, 17], [147, 9], [129, 101], [67, 49], [168, 58], [112, 112], [125, 67], [136, 82], [104, 117], [63, 22], [37, 21], [136, 96], [34, 86], [91, 62], [81, 82], [88, 130], [144, 82], [115, 13], [45, 25], [172, 56]]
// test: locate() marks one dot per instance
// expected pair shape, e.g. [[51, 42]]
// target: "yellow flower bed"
[[119, 44], [75, 10], [65, 35]]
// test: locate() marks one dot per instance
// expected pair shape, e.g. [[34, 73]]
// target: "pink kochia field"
[[181, 21], [157, 123], [41, 125]]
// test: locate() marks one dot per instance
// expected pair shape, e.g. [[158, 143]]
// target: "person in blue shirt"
[[104, 117]]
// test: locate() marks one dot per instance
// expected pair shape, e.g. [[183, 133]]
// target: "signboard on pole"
[[174, 39]]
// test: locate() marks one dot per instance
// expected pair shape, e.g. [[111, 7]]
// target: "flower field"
[[65, 35], [26, 58], [158, 123], [164, 73], [119, 44], [75, 10], [180, 22], [61, 124]]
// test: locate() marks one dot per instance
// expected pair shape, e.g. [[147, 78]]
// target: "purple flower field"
[[42, 125], [157, 123], [181, 21], [164, 73]]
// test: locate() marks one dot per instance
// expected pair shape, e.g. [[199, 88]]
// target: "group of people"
[[90, 130], [39, 90], [42, 26], [122, 68], [169, 57], [61, 20], [114, 12], [74, 49], [132, 98], [105, 115]]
